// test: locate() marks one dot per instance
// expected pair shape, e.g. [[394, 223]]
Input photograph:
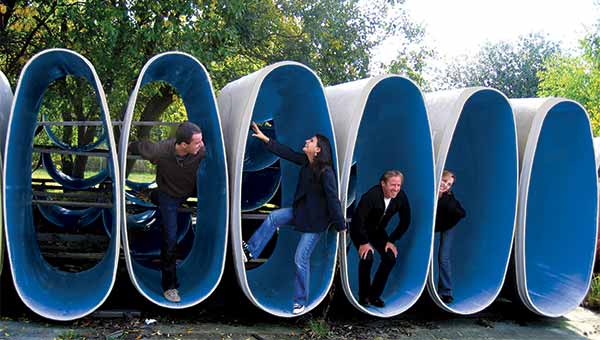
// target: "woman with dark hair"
[[315, 207], [449, 213]]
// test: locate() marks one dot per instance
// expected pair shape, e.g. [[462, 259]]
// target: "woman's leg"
[[263, 234], [445, 265], [307, 244]]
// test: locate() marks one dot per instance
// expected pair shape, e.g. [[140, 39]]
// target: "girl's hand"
[[258, 134]]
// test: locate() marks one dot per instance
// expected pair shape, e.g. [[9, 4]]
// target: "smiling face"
[[194, 145], [310, 147], [391, 187], [446, 183]]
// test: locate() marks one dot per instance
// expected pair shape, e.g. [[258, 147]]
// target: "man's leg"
[[388, 260], [364, 278], [307, 244], [265, 232], [168, 255], [445, 275]]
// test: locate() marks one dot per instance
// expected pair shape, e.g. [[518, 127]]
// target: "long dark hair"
[[323, 159]]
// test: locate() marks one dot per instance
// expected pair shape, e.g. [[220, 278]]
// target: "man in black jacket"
[[368, 232], [449, 213]]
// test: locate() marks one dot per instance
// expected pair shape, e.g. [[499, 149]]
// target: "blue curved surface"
[[65, 146], [69, 181], [201, 270], [141, 221], [483, 156], [48, 291], [134, 200], [394, 134], [69, 218], [561, 212], [256, 155], [293, 98], [145, 233], [140, 186], [259, 187]]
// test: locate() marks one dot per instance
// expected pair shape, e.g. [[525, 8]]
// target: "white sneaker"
[[297, 309], [172, 295]]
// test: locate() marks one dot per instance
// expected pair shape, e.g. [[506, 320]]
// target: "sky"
[[457, 27]]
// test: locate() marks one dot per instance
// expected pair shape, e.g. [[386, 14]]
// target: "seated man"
[[375, 209], [177, 161]]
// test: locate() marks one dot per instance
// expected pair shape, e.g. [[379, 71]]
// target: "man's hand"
[[364, 250], [392, 247]]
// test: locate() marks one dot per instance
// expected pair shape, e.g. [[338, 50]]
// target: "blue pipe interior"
[[259, 187], [199, 272], [69, 218], [561, 212], [47, 290], [394, 134], [483, 157], [65, 146], [69, 181], [256, 157], [293, 97]]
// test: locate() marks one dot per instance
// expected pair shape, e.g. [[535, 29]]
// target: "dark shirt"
[[370, 221], [316, 203], [449, 212], [175, 175]]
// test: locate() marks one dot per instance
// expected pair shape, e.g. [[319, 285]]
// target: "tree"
[[576, 77], [509, 67], [230, 37]]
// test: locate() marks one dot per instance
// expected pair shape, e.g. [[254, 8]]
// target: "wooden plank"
[[73, 203]]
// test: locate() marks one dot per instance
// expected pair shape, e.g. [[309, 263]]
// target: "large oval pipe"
[[381, 123], [6, 98], [50, 292], [474, 135], [292, 96], [202, 269], [558, 205]]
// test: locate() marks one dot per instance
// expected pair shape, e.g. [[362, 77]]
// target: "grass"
[[134, 176], [592, 300], [68, 335], [319, 327]]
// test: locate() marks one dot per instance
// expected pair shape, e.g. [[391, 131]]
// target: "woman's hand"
[[259, 134]]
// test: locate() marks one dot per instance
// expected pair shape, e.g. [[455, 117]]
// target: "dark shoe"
[[377, 302], [246, 255], [447, 299], [363, 301]]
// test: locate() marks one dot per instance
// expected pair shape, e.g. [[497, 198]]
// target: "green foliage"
[[576, 77], [319, 328], [592, 300], [509, 67]]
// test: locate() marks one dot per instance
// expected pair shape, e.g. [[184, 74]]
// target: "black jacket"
[[316, 204], [449, 212], [369, 221]]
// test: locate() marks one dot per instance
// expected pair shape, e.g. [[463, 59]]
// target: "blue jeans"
[[445, 275], [168, 253], [308, 241]]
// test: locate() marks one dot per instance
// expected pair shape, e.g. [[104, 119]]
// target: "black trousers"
[[365, 288]]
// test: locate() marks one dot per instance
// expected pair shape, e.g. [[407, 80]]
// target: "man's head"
[[391, 183], [447, 181], [189, 138]]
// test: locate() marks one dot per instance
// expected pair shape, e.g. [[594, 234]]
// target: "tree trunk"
[[152, 112]]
